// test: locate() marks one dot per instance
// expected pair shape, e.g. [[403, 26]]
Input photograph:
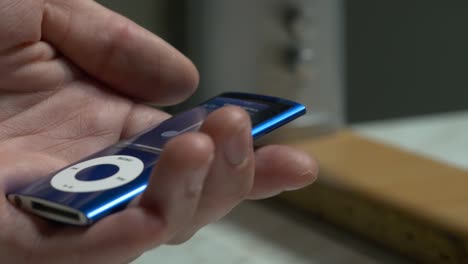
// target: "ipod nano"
[[105, 182]]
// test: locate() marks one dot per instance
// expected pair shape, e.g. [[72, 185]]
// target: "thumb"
[[118, 52]]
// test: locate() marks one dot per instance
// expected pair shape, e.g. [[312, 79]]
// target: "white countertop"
[[442, 137], [259, 234], [256, 233]]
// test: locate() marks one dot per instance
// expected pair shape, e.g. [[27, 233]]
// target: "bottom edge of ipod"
[[50, 210]]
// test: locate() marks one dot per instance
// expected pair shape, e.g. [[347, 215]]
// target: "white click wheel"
[[125, 169]]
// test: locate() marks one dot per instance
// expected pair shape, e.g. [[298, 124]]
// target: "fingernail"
[[237, 147], [309, 175]]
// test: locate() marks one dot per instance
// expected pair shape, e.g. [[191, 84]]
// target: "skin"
[[73, 78]]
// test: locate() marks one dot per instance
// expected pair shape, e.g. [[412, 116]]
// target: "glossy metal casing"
[[70, 205]]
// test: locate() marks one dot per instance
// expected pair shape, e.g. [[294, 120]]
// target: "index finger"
[[118, 52]]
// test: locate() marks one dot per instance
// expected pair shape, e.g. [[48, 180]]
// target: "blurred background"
[[391, 71], [349, 61]]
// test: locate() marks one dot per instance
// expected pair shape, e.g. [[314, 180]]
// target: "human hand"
[[72, 73]]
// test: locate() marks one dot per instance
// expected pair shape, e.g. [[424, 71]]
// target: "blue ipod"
[[105, 182]]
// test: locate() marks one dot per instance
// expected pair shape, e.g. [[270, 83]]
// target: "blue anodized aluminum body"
[[108, 180]]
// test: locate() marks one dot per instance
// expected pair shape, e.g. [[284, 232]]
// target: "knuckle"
[[120, 32]]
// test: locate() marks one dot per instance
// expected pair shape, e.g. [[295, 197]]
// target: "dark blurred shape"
[[405, 58], [165, 18]]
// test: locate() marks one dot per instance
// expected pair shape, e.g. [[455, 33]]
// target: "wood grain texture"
[[410, 203]]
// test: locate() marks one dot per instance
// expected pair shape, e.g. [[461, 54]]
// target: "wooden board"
[[407, 202]]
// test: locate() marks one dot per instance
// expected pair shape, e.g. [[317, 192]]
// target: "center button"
[[97, 172]]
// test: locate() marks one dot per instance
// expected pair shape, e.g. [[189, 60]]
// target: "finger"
[[140, 118], [168, 202], [118, 52], [281, 168], [231, 174], [20, 22], [118, 238], [39, 76], [176, 185]]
